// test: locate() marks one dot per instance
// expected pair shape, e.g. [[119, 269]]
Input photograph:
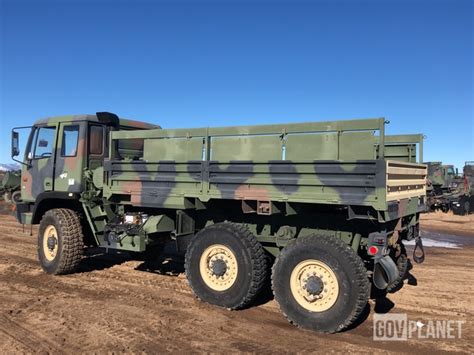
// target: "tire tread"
[[259, 260], [352, 258], [72, 239]]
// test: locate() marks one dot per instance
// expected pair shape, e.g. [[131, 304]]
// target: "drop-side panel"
[[161, 184], [167, 183], [312, 182]]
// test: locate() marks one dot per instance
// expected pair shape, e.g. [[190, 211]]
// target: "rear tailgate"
[[405, 180]]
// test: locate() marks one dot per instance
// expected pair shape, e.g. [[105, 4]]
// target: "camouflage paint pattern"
[[440, 176], [10, 180], [58, 172], [264, 168], [311, 163]]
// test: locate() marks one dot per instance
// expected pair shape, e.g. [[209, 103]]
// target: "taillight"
[[373, 250]]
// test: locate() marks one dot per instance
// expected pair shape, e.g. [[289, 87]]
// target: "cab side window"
[[70, 141], [44, 142]]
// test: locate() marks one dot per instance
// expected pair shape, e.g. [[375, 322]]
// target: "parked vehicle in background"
[[321, 208], [442, 183], [10, 186], [463, 201]]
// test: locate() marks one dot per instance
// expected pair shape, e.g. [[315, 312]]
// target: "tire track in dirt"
[[25, 337], [114, 305]]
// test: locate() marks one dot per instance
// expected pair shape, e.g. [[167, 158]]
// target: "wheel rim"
[[218, 267], [16, 196], [314, 285], [50, 242]]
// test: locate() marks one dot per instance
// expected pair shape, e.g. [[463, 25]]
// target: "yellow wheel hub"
[[314, 285], [218, 267], [50, 242]]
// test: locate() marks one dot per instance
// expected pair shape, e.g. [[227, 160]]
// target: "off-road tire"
[[16, 197], [250, 258], [349, 270], [70, 241]]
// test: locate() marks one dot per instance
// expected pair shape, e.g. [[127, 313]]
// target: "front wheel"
[[60, 241], [320, 283], [16, 197]]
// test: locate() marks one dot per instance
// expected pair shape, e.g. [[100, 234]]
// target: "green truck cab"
[[441, 177], [442, 186], [320, 208]]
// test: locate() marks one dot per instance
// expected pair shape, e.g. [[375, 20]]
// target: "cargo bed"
[[338, 163]]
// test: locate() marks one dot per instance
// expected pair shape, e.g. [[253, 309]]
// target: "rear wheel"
[[60, 241], [226, 265], [320, 283]]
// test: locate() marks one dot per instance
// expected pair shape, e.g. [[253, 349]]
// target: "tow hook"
[[418, 246]]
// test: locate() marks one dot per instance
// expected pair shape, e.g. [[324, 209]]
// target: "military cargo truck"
[[441, 176], [10, 186], [321, 208], [441, 185]]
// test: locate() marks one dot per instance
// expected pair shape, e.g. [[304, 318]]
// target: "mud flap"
[[385, 272], [418, 246]]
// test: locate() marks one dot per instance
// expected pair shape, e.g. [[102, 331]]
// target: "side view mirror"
[[15, 144], [15, 148]]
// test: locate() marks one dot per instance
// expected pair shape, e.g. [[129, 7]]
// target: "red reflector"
[[373, 250]]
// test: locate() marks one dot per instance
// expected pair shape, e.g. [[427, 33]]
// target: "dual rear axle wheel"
[[318, 282]]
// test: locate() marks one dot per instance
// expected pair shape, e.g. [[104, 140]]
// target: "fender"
[[65, 199]]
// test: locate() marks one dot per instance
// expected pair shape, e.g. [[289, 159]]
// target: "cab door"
[[37, 175], [70, 157]]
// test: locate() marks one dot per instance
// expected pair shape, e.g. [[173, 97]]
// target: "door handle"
[[47, 183]]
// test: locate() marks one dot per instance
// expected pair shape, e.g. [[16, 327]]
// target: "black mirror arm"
[[21, 162], [13, 156]]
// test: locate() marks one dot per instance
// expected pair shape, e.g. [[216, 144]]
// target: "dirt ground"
[[116, 304], [449, 223]]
